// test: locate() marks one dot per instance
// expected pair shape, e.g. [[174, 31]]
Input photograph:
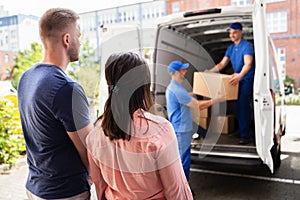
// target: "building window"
[[175, 7], [6, 58], [13, 34], [281, 55], [277, 21], [241, 2]]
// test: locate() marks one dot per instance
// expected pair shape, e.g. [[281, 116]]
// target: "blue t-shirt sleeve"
[[184, 97], [249, 50], [71, 107]]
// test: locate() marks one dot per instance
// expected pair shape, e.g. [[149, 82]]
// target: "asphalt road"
[[254, 182]]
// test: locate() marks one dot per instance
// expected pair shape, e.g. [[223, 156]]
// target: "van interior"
[[202, 43]]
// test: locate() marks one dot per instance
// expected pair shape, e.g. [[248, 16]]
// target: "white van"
[[201, 38]]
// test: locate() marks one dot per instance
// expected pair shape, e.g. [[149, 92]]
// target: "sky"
[[38, 7]]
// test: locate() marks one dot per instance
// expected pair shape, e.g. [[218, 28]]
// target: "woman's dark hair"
[[128, 79]]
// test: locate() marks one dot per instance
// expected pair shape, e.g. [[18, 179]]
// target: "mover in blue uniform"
[[241, 55], [179, 103]]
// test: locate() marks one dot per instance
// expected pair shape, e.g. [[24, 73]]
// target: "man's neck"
[[177, 78], [238, 41]]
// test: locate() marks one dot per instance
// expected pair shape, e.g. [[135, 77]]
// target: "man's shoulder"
[[246, 42]]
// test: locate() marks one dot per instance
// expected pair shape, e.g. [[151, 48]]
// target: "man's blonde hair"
[[55, 21]]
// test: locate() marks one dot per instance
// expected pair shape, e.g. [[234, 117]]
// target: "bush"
[[12, 143], [291, 99]]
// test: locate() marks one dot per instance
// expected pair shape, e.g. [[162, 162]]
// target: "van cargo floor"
[[224, 139]]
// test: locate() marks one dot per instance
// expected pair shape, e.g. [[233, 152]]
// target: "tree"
[[25, 60], [87, 70]]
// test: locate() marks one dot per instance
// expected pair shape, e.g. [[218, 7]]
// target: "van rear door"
[[116, 39], [263, 103]]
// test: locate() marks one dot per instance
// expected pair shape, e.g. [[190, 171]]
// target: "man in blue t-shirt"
[[241, 55], [179, 103], [54, 114]]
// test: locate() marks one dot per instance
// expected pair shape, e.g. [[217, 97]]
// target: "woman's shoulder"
[[95, 133], [155, 118]]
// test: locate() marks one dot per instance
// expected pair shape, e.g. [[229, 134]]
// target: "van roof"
[[223, 11]]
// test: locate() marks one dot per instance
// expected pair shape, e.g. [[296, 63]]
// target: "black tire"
[[276, 153]]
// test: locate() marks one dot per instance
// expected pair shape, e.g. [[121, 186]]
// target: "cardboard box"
[[204, 122], [210, 84], [224, 123], [196, 114], [202, 113]]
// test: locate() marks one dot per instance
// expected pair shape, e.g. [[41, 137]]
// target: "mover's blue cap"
[[177, 65], [236, 26]]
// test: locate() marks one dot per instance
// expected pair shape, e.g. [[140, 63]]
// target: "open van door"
[[116, 39], [263, 103]]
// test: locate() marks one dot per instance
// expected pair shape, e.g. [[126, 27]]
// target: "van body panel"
[[116, 39], [202, 41], [263, 103]]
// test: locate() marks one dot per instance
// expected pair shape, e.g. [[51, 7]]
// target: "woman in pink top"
[[133, 154]]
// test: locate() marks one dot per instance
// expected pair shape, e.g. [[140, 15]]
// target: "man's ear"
[[66, 39]]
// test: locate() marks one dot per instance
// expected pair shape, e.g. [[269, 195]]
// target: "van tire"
[[276, 153]]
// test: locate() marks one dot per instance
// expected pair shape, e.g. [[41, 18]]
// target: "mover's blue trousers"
[[184, 143], [244, 107]]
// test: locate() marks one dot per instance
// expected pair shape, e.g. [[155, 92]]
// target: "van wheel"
[[276, 153]]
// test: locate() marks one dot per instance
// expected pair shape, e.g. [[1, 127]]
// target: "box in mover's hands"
[[210, 84]]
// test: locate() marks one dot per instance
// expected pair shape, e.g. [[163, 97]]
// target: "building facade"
[[143, 15], [17, 33], [283, 23]]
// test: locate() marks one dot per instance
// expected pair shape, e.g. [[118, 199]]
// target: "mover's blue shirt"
[[179, 114], [236, 54], [51, 104]]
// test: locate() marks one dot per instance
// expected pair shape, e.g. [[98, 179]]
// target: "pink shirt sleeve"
[[96, 177], [172, 176]]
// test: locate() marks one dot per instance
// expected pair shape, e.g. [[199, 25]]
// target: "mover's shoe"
[[244, 141], [234, 135]]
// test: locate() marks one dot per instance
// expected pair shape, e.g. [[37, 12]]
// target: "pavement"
[[12, 181]]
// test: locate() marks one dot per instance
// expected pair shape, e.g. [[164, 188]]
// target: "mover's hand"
[[208, 71], [235, 79], [220, 97]]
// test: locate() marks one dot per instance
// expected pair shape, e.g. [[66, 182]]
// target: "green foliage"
[[12, 143], [87, 70], [26, 59], [288, 80], [291, 99]]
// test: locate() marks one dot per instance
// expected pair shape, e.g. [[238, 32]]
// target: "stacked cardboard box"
[[223, 124], [201, 117]]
